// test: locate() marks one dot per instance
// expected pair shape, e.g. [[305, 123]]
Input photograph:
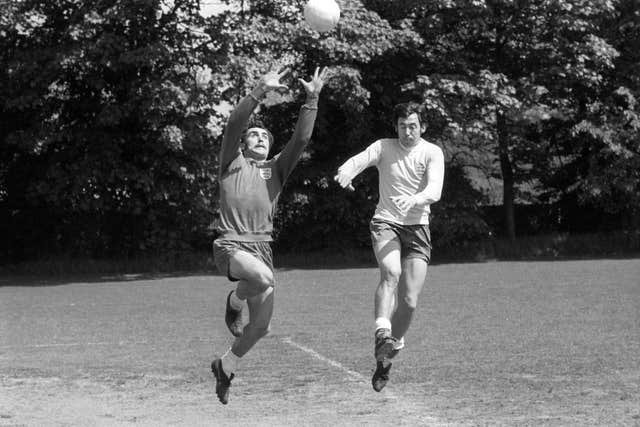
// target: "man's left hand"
[[404, 203], [314, 86]]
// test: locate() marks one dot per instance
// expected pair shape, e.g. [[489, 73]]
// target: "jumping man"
[[249, 189], [411, 173]]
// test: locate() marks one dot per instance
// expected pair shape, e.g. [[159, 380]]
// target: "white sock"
[[230, 362], [235, 302], [382, 323], [399, 344]]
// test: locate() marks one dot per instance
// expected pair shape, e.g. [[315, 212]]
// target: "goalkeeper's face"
[[257, 142]]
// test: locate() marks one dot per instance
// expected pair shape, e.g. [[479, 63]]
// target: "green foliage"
[[105, 127], [456, 219], [501, 78], [111, 114]]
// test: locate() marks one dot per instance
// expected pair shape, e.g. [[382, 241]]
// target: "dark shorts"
[[415, 240], [223, 250]]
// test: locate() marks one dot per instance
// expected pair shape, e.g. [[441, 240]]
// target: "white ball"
[[322, 15]]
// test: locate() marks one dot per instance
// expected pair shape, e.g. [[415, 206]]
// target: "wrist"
[[311, 102], [258, 92]]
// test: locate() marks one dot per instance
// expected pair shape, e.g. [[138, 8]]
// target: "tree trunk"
[[507, 178], [506, 167]]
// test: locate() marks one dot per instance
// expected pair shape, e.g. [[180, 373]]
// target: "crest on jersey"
[[265, 173]]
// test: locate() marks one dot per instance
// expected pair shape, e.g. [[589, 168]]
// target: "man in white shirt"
[[411, 173]]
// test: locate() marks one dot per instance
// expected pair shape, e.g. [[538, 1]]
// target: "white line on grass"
[[402, 400], [354, 375], [313, 353]]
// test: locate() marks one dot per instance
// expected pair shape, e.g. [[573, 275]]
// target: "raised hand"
[[271, 80], [314, 86]]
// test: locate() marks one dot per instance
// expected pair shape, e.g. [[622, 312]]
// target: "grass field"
[[499, 343]]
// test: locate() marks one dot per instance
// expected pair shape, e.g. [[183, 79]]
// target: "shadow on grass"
[[65, 270], [556, 247], [62, 271], [36, 280], [325, 260]]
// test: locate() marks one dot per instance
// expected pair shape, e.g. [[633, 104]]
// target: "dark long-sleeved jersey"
[[249, 189]]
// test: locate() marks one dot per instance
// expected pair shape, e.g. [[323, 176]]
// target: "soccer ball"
[[322, 15]]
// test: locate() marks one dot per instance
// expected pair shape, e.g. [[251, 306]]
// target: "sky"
[[211, 7]]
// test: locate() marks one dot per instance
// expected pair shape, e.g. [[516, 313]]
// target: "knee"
[[410, 302], [390, 276], [265, 280]]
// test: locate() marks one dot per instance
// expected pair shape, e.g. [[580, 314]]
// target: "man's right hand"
[[271, 80], [344, 181]]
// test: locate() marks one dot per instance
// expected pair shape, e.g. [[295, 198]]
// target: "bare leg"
[[255, 286], [388, 256], [255, 276], [414, 273], [260, 313]]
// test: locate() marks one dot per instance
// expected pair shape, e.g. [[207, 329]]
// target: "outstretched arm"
[[289, 156], [356, 164], [240, 116], [433, 190]]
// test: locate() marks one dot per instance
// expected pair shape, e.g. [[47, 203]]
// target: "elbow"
[[433, 197], [437, 195]]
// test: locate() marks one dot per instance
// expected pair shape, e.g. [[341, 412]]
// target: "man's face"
[[256, 143], [409, 129]]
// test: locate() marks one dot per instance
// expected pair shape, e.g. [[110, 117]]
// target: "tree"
[[111, 113], [105, 136], [492, 69], [601, 150]]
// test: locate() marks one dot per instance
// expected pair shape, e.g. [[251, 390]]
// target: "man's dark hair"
[[406, 109], [257, 124]]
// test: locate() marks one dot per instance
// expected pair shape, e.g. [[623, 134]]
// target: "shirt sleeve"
[[435, 178], [362, 160], [289, 156], [238, 119]]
